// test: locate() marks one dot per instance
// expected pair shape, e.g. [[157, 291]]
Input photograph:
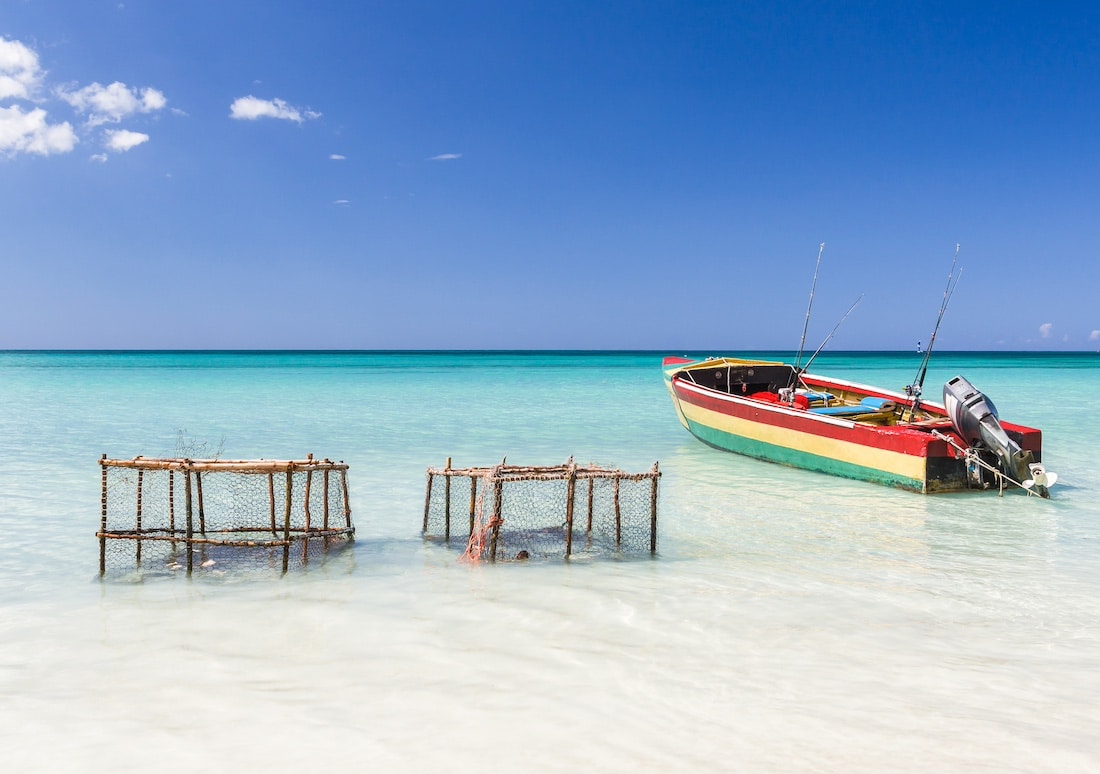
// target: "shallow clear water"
[[791, 621]]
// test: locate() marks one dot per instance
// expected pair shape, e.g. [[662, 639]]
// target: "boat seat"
[[866, 406], [815, 398]]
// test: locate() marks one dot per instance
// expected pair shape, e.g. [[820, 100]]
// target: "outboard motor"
[[975, 419]]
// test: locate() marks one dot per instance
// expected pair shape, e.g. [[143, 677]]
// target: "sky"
[[548, 175]]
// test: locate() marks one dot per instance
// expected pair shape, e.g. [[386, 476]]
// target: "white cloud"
[[100, 157], [446, 157], [110, 104], [30, 133], [19, 71], [123, 139], [25, 130], [341, 202], [1094, 336], [250, 108], [1045, 330], [337, 157]]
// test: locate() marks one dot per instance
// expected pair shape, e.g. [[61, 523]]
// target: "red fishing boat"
[[773, 411], [781, 413]]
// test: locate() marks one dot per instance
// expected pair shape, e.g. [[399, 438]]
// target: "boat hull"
[[898, 456]]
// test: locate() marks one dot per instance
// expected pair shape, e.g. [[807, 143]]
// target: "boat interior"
[[770, 382]]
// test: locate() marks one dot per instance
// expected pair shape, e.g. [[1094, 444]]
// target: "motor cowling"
[[975, 420]]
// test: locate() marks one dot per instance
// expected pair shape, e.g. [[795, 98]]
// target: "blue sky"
[[577, 175]]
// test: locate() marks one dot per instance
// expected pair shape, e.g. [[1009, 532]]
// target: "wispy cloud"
[[446, 157], [110, 104], [1094, 336], [341, 202], [1046, 329], [337, 157], [251, 108]]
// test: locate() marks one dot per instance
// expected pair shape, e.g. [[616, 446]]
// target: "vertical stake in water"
[[498, 507], [103, 514], [325, 477], [653, 511], [202, 512], [190, 534], [172, 507], [473, 502], [271, 502], [447, 502], [347, 503], [618, 513], [286, 517], [569, 497], [140, 481], [309, 485], [427, 503], [591, 487]]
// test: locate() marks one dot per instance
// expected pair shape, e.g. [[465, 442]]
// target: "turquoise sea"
[[790, 621]]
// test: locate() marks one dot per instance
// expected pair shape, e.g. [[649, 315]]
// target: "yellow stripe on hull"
[[894, 464]]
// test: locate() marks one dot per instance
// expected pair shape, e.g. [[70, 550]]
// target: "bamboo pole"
[[473, 501], [591, 488], [427, 503], [172, 505], [305, 539], [347, 502], [190, 525], [202, 513], [570, 494], [102, 516], [447, 504], [271, 501], [618, 515], [498, 519], [286, 520], [137, 550], [325, 476], [224, 466], [653, 511]]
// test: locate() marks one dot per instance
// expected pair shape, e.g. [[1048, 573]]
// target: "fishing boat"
[[771, 411], [780, 412]]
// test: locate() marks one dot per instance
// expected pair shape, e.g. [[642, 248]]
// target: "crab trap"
[[511, 512], [175, 515]]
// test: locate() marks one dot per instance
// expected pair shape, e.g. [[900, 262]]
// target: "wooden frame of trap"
[[270, 505], [484, 531]]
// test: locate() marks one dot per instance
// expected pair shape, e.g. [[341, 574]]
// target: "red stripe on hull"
[[896, 439]]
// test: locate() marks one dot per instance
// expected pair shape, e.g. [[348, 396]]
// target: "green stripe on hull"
[[799, 459]]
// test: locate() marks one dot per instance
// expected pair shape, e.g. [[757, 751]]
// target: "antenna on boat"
[[914, 390], [806, 325], [833, 331]]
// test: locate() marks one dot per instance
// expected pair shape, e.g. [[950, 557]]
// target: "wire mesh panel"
[[511, 512], [168, 515]]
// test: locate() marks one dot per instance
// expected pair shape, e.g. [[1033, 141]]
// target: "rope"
[[476, 546], [972, 456]]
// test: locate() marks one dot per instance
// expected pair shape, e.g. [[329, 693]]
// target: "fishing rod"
[[806, 325], [830, 336], [914, 390]]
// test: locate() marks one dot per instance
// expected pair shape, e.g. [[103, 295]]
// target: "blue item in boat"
[[866, 406]]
